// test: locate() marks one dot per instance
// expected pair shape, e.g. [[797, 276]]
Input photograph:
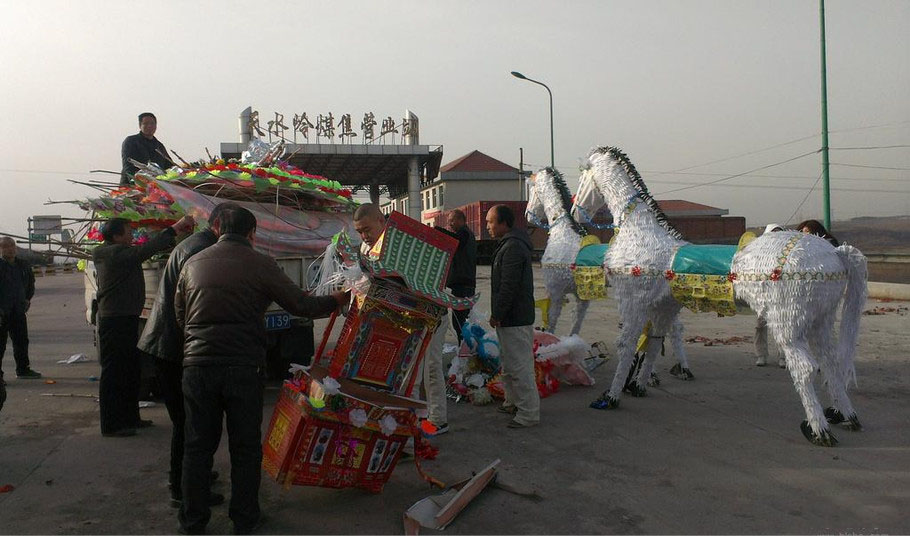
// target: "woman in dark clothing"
[[815, 227]]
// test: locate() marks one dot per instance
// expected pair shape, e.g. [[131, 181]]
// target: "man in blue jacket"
[[512, 314]]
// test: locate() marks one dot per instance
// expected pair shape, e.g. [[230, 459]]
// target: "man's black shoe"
[[28, 374], [214, 500], [251, 529], [144, 423], [123, 432]]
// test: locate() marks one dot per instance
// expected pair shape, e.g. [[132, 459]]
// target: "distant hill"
[[889, 234], [875, 235]]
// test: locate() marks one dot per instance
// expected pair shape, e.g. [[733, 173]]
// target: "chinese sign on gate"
[[326, 128]]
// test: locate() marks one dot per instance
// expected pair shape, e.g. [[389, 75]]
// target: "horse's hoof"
[[682, 373], [853, 424], [825, 439], [834, 416], [638, 390], [654, 380], [605, 402]]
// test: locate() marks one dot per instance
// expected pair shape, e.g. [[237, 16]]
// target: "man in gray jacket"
[[121, 297], [222, 295], [512, 314], [163, 339]]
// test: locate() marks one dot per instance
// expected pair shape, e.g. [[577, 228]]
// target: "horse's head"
[[552, 200], [535, 210], [588, 198], [613, 175]]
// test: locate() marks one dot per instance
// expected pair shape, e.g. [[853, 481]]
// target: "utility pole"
[[521, 174], [826, 186]]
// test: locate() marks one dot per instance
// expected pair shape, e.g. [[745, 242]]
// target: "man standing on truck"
[[17, 286], [142, 147], [163, 339], [512, 314], [222, 295], [121, 296]]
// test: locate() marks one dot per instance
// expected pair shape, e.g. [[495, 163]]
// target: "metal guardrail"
[[41, 271], [889, 258]]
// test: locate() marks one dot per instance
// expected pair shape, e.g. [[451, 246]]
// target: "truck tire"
[[293, 345]]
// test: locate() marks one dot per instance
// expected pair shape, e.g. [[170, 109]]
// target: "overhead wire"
[[803, 202], [869, 167], [867, 148], [723, 179]]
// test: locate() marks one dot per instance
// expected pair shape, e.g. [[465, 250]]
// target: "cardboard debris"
[[707, 341], [437, 511]]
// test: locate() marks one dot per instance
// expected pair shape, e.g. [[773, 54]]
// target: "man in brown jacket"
[[221, 299]]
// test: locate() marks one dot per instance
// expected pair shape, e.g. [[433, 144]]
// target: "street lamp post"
[[517, 74]]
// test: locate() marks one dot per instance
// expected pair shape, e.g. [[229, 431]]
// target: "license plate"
[[275, 321]]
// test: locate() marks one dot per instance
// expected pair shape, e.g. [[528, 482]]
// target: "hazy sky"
[[676, 84]]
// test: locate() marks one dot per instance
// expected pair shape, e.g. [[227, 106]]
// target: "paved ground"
[[721, 454]]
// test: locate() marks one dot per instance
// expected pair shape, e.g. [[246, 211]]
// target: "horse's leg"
[[681, 368], [761, 342], [633, 321], [841, 410], [803, 369], [581, 309], [662, 322], [555, 283], [557, 294]]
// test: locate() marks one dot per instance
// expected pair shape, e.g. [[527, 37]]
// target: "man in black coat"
[[121, 297], [17, 286], [512, 314], [143, 147], [163, 339], [462, 280]]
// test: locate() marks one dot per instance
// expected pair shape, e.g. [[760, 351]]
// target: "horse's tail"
[[854, 300]]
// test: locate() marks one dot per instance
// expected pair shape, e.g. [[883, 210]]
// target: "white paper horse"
[[551, 201], [794, 280]]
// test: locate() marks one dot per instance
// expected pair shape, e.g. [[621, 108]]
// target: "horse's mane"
[[565, 197], [640, 187]]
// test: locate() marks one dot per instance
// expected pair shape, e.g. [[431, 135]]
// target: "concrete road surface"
[[721, 454]]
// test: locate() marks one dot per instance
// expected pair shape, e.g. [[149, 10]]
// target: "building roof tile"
[[476, 161]]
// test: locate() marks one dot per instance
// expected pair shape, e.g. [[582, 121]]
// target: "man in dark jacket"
[[121, 297], [462, 279], [163, 339], [512, 289], [17, 286], [222, 295], [143, 147]]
